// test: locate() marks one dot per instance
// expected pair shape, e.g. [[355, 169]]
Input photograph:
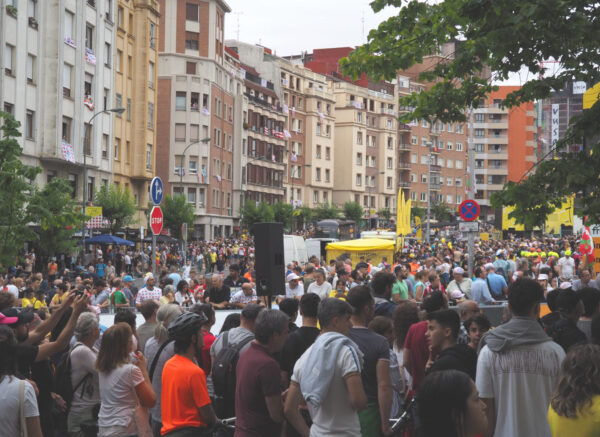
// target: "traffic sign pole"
[[156, 193]]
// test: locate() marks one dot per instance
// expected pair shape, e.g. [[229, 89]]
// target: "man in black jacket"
[[442, 333], [565, 331]]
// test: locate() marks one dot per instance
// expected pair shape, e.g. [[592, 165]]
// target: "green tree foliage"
[[326, 211], [59, 217], [384, 214], [352, 211], [504, 36], [118, 206], [441, 211], [284, 213], [176, 212], [16, 180], [305, 216], [253, 213], [418, 211]]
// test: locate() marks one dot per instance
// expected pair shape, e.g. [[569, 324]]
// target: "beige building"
[[135, 60], [365, 145]]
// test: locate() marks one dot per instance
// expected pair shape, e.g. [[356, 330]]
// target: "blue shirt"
[[176, 278], [100, 270], [480, 292], [497, 284]]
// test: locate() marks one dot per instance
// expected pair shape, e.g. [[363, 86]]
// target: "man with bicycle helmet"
[[186, 406]]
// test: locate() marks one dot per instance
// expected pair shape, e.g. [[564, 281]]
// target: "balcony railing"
[[264, 103], [404, 146], [404, 127], [404, 184], [435, 168], [403, 164]]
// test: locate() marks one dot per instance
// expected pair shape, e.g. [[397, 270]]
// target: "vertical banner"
[[595, 233], [555, 125]]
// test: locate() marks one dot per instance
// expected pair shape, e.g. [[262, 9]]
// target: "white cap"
[[458, 270], [542, 277], [489, 266], [291, 277], [565, 285], [148, 276], [456, 294]]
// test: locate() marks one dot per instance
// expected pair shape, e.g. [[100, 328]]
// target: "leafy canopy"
[[176, 212], [118, 206], [504, 36], [352, 211]]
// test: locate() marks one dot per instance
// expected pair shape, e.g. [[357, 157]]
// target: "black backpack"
[[223, 376], [64, 386]]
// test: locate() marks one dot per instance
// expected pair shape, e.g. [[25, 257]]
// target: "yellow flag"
[[418, 226]]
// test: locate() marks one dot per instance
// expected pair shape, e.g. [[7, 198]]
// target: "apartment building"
[[135, 61], [200, 102], [58, 74]]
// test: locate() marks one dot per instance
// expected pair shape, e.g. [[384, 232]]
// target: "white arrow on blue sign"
[[156, 190]]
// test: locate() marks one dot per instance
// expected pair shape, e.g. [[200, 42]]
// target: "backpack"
[[64, 385], [223, 375]]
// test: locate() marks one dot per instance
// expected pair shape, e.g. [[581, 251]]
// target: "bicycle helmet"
[[185, 325]]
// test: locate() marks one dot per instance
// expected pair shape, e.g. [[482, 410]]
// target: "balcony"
[[403, 165], [402, 127], [434, 168], [403, 146], [403, 184], [264, 103], [435, 186]]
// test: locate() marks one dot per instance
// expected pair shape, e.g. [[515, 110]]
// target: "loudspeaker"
[[269, 261]]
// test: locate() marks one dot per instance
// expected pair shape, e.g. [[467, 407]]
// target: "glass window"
[[179, 132], [149, 157], [180, 98]]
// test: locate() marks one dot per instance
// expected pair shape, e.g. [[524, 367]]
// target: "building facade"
[[135, 88], [58, 74], [200, 102]]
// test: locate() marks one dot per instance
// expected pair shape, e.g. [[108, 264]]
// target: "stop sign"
[[156, 220]]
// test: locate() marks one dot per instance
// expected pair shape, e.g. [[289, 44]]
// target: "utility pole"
[[428, 235], [471, 191]]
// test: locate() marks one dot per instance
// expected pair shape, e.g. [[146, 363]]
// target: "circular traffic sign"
[[468, 210], [156, 190], [156, 220]]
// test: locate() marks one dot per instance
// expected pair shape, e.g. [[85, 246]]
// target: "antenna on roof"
[[238, 23]]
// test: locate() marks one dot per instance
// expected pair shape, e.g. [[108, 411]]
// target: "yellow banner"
[[93, 211], [560, 216]]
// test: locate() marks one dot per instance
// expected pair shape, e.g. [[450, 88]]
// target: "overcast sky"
[[288, 27]]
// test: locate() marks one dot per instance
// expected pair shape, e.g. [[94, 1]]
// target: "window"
[[150, 115], [424, 178], [318, 128], [117, 148], [413, 196], [87, 85], [449, 146], [318, 152], [108, 10], [129, 67], [327, 153], [458, 198], [152, 35], [91, 190], [413, 177], [191, 41], [120, 18], [107, 53], [449, 198], [450, 163], [450, 127], [459, 182], [32, 8], [191, 12], [315, 197], [390, 123], [424, 123], [480, 148], [89, 36], [359, 117], [327, 175], [479, 133], [30, 69], [359, 179], [459, 163], [390, 143], [325, 197], [201, 197], [459, 147], [373, 141], [69, 21], [9, 59], [180, 98], [119, 61], [191, 197], [359, 159], [424, 159], [448, 181], [105, 145], [128, 110], [151, 74], [414, 158], [359, 138], [190, 68], [459, 130], [29, 124], [423, 197], [66, 129], [389, 163], [118, 102], [389, 182], [318, 174], [194, 132], [87, 134], [149, 157], [179, 132], [424, 141]]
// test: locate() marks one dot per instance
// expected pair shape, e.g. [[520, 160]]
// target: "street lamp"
[[83, 199], [205, 140]]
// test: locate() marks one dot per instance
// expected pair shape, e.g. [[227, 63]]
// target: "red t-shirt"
[[184, 392], [209, 339], [258, 376], [418, 345]]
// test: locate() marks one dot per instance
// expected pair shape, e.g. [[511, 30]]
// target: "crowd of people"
[[407, 338]]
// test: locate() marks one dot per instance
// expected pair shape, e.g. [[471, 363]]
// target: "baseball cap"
[[127, 278], [362, 265], [4, 320], [22, 317], [567, 252], [148, 276], [542, 277], [499, 252], [292, 277], [458, 271], [456, 294]]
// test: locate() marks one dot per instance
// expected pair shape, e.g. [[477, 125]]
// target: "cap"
[[542, 277], [4, 320], [148, 276], [23, 317], [499, 252], [292, 277], [456, 294], [458, 271], [567, 252], [127, 278], [362, 265], [489, 266], [565, 285]]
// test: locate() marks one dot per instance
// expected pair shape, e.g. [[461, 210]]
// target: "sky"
[[289, 27]]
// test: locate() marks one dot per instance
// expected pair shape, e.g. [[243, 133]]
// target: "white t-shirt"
[[335, 417], [12, 289], [9, 405], [567, 266], [294, 292], [118, 397], [521, 381], [83, 361], [322, 290]]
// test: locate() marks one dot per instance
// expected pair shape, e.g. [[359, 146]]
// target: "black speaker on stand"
[[269, 263]]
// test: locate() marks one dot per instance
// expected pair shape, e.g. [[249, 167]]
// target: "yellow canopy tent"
[[373, 248]]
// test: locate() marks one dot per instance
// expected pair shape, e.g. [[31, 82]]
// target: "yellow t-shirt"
[[58, 299], [586, 424], [35, 303]]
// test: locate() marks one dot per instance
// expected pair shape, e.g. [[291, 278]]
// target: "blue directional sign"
[[468, 210], [156, 190]]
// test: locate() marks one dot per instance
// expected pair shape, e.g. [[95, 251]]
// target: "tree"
[[418, 211], [384, 214], [254, 213], [501, 38], [326, 211], [284, 213], [441, 211], [353, 211], [176, 212], [118, 206], [16, 180], [305, 216], [59, 217]]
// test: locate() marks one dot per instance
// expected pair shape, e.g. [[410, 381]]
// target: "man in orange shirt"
[[186, 408]]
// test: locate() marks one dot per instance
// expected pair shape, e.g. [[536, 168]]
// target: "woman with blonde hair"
[[123, 386], [575, 408], [159, 345]]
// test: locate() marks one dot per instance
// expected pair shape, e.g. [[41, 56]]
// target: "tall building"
[[200, 93], [504, 144], [135, 60], [58, 73]]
